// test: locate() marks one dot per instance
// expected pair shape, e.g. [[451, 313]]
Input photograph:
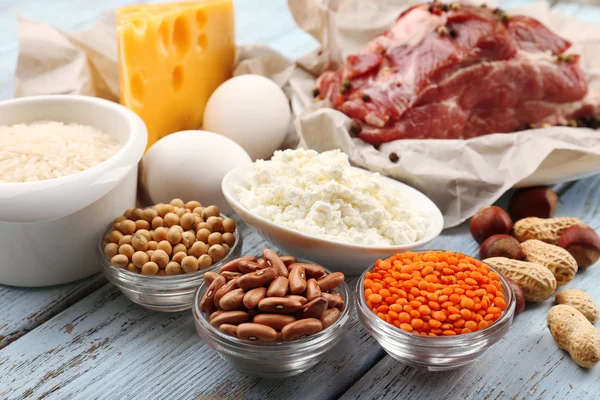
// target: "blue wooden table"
[[85, 340]]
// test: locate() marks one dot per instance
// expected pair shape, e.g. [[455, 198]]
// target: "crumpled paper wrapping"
[[459, 176]]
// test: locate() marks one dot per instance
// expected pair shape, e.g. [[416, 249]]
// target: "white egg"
[[251, 110], [190, 165]]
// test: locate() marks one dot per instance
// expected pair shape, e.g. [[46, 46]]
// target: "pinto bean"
[[297, 280], [312, 289], [313, 309], [330, 281], [280, 305], [233, 265], [215, 314], [339, 300], [233, 300], [331, 299], [257, 279], [278, 287], [230, 317], [254, 296], [226, 288], [287, 260], [312, 270], [275, 321], [229, 275], [256, 332], [301, 328], [301, 299], [275, 262], [329, 317], [207, 301]]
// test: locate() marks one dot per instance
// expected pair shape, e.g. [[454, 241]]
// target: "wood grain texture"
[[526, 363]]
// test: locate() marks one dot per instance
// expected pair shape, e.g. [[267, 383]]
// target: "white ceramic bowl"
[[351, 259], [50, 228]]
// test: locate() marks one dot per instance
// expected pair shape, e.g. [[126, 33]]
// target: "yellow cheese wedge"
[[171, 58]]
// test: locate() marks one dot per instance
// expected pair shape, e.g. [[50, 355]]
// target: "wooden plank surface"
[[526, 363]]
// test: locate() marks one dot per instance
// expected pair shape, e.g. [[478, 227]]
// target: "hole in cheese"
[[177, 77], [202, 41], [137, 87], [139, 25], [181, 35], [164, 37], [201, 18]]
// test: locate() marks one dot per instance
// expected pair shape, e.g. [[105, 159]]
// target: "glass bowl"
[[273, 360], [162, 293], [440, 352]]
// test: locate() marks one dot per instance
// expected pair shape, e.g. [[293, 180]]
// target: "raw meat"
[[456, 72]]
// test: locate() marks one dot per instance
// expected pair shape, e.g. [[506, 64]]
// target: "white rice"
[[47, 149]]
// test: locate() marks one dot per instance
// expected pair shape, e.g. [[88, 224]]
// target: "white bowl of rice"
[[68, 164]]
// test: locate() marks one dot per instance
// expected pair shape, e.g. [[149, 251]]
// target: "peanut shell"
[[545, 229], [537, 281], [581, 301], [575, 334], [558, 260]]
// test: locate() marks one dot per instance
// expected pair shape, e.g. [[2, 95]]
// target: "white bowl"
[[351, 259], [50, 228]]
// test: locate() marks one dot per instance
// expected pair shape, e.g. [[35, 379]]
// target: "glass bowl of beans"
[[434, 309], [157, 256], [270, 334]]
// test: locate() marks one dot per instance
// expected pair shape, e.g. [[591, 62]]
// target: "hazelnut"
[[125, 240], [133, 268], [203, 225], [150, 268], [191, 205], [157, 222], [177, 203], [229, 225], [119, 261], [226, 247], [519, 296], [174, 235], [140, 258], [188, 238], [490, 221], [533, 202], [179, 248], [161, 272], [149, 253], [152, 245], [128, 213], [141, 224], [582, 242], [127, 250], [204, 261], [136, 214], [180, 212], [119, 219], [501, 246], [173, 268], [115, 236], [179, 256], [198, 210], [189, 264], [188, 221], [111, 250], [165, 246], [160, 234]]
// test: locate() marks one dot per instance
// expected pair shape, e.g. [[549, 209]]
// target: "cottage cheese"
[[321, 195]]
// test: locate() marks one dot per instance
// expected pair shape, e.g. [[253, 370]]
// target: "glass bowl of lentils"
[[157, 256]]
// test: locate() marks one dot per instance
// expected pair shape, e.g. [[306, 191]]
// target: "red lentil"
[[434, 293]]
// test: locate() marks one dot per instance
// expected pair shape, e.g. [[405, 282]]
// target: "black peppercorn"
[[444, 7], [431, 8], [394, 157], [355, 129], [315, 92], [452, 32], [345, 86], [366, 97], [504, 17]]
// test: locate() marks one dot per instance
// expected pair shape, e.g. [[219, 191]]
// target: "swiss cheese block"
[[171, 58]]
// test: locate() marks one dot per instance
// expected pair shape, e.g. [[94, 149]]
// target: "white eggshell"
[[251, 110], [190, 165]]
